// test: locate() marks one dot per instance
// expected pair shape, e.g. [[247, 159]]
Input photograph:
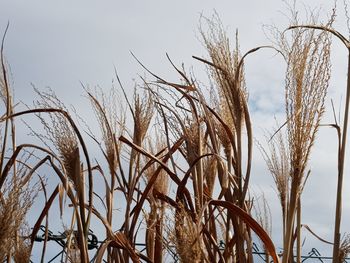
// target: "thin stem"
[[341, 171], [299, 231]]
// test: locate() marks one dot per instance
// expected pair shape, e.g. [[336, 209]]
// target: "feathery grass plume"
[[342, 134], [155, 217], [264, 218], [23, 247], [110, 115], [162, 182], [220, 103], [188, 241], [232, 93], [16, 198], [227, 72], [344, 249], [226, 61], [191, 133], [5, 90], [143, 112], [307, 55], [277, 160], [111, 118], [60, 133], [6, 95], [210, 172], [151, 218], [193, 149]]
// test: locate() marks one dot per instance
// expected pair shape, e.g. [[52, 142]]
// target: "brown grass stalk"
[[307, 78]]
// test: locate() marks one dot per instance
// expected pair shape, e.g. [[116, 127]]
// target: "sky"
[[63, 44]]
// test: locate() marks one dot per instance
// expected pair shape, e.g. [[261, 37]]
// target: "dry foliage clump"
[[155, 217], [344, 248], [110, 115], [60, 133], [182, 155], [187, 242], [22, 252], [18, 191], [17, 197]]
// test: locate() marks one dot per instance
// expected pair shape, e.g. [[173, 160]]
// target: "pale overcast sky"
[[59, 44]]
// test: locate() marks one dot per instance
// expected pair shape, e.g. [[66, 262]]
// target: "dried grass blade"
[[163, 165], [43, 214], [60, 198], [8, 99], [315, 235], [323, 28], [249, 221], [46, 221]]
